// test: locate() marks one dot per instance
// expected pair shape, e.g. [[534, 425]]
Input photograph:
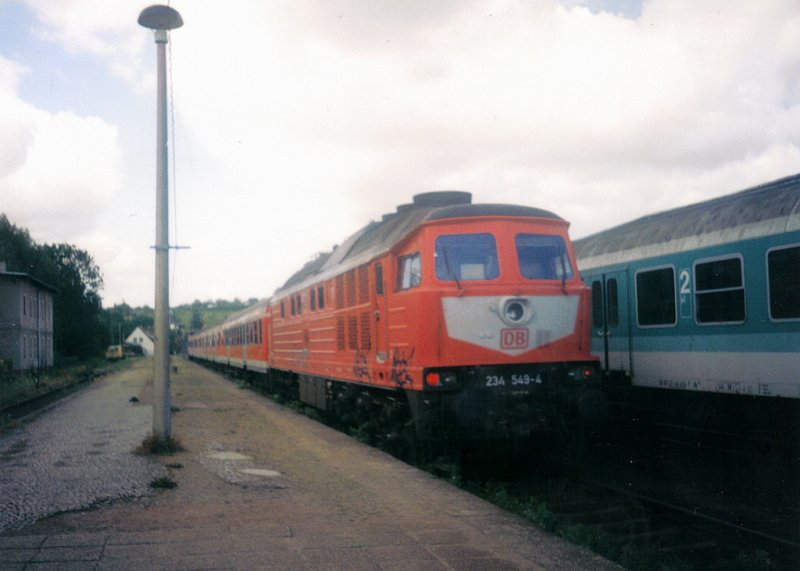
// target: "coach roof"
[[763, 210]]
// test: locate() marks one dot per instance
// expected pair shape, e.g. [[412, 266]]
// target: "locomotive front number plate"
[[512, 380]]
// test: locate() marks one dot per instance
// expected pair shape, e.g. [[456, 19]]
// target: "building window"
[[321, 297], [783, 275], [409, 271], [655, 297], [312, 299]]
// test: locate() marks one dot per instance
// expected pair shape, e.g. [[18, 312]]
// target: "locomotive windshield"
[[461, 257], [543, 257]]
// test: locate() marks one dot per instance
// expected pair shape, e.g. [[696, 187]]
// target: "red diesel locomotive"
[[470, 317]]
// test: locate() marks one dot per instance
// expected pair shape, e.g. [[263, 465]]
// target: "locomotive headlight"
[[440, 379], [515, 311]]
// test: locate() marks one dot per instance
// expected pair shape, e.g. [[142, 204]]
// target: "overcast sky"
[[299, 121]]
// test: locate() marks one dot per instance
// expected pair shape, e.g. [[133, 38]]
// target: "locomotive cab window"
[[783, 273], [655, 297], [461, 257], [719, 291], [543, 257], [409, 271]]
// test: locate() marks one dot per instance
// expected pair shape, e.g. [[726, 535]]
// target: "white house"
[[143, 339]]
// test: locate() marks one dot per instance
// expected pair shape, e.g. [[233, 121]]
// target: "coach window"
[[409, 274], [655, 297], [783, 273], [543, 257], [461, 257], [719, 291]]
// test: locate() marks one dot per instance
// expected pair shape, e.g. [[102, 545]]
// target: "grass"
[[163, 483], [614, 548], [15, 389], [157, 446]]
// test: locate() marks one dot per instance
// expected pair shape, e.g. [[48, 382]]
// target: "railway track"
[[660, 504], [642, 532]]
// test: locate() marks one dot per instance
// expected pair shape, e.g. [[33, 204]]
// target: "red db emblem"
[[514, 339]]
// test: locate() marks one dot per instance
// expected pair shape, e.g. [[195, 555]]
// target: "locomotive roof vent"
[[437, 199], [442, 198]]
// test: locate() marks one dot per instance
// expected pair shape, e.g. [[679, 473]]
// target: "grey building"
[[26, 321]]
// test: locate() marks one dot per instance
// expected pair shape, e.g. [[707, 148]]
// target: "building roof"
[[28, 277], [148, 334]]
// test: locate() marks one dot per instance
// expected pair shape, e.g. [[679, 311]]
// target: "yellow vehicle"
[[115, 352]]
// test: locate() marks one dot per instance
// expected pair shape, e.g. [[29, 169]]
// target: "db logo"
[[514, 339]]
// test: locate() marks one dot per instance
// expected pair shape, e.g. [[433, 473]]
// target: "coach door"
[[610, 320]]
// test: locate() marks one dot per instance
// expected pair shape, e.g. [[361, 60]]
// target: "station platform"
[[258, 487]]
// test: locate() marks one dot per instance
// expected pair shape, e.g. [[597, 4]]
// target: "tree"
[[80, 329], [197, 316]]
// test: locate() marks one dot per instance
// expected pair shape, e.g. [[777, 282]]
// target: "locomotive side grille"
[[340, 342], [366, 333], [340, 293], [350, 287], [363, 284], [352, 332]]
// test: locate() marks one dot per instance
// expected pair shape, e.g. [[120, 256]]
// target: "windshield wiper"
[[450, 268]]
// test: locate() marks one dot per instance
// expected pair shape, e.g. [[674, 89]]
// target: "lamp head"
[[160, 18]]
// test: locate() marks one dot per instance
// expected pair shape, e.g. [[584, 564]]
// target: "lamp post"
[[161, 19]]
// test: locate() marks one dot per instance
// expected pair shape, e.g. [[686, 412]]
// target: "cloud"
[[298, 121], [103, 28], [57, 171]]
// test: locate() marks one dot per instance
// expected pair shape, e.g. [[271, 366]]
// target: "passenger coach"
[[704, 298]]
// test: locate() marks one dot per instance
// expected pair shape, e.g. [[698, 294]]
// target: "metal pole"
[[162, 417], [161, 19]]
